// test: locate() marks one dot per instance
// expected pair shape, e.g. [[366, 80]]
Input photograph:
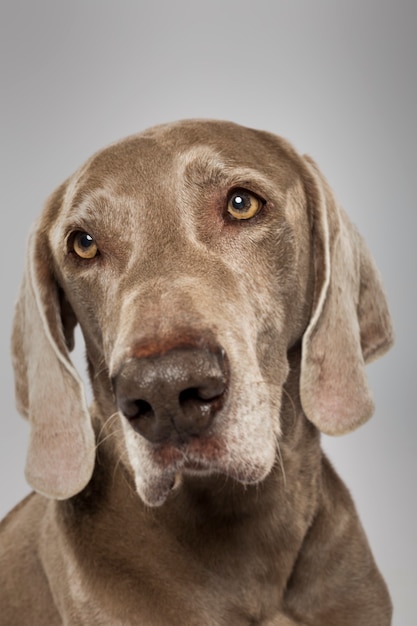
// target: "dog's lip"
[[200, 457], [195, 466], [199, 454]]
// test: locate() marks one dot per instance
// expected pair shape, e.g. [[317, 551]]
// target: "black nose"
[[173, 396]]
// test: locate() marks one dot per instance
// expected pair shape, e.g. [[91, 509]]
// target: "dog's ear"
[[49, 391], [350, 323]]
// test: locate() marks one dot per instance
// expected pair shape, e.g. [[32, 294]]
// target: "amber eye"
[[84, 245], [243, 205]]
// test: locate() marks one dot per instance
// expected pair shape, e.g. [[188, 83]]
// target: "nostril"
[[142, 418], [144, 409], [133, 409], [197, 406], [200, 395], [189, 395]]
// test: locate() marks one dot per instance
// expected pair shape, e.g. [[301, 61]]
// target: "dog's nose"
[[173, 396]]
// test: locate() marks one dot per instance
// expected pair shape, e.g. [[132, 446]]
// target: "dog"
[[228, 308]]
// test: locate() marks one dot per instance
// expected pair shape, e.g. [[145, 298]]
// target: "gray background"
[[336, 78]]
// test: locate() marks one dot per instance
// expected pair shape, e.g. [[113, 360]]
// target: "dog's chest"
[[212, 573]]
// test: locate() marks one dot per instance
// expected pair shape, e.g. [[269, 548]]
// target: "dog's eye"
[[84, 245], [243, 205]]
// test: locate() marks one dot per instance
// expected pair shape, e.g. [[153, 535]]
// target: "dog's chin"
[[170, 465], [154, 490], [158, 468]]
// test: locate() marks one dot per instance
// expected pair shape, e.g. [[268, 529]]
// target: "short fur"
[[245, 522]]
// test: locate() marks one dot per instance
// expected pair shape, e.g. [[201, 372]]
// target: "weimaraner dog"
[[228, 308]]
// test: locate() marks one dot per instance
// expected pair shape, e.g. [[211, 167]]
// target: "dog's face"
[[199, 247], [194, 257]]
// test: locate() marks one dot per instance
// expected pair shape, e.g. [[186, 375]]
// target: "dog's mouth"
[[197, 456], [200, 458], [168, 464]]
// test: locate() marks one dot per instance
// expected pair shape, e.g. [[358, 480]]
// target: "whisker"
[[281, 462], [116, 467], [100, 371], [112, 434], [100, 440], [288, 396]]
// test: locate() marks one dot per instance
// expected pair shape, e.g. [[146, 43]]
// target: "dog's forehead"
[[193, 149]]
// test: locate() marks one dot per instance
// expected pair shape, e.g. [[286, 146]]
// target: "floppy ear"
[[350, 323], [49, 391]]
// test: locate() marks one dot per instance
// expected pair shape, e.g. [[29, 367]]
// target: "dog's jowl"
[[228, 307]]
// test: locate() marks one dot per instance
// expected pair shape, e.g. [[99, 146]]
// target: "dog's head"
[[194, 257]]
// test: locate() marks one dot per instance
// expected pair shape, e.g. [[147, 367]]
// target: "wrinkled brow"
[[94, 209], [205, 168]]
